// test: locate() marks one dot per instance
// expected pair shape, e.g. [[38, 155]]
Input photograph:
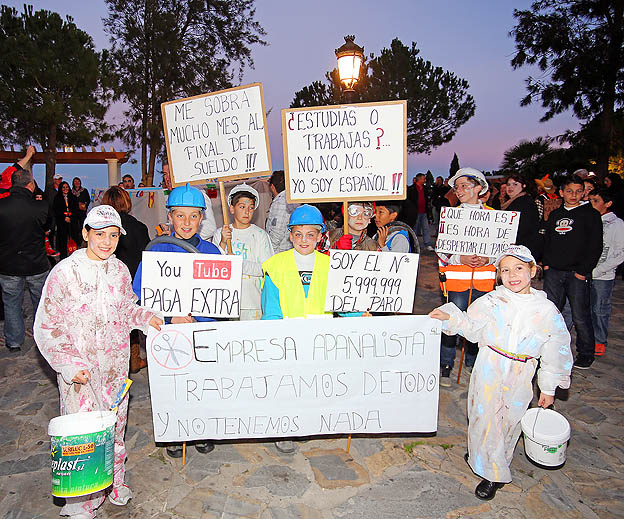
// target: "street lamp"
[[349, 58]]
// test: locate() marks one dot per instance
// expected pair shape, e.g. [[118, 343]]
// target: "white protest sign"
[[375, 281], [217, 135], [177, 284], [476, 231], [294, 377], [353, 152]]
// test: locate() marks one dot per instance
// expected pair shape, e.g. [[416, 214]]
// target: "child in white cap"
[[82, 328], [514, 325]]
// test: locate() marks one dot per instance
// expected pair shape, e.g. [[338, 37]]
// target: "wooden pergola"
[[114, 159]]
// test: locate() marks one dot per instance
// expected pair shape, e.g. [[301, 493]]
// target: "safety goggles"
[[356, 210]]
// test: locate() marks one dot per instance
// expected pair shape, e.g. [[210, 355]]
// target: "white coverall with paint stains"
[[500, 388], [84, 320]]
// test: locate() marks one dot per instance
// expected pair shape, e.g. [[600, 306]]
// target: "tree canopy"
[[438, 102], [50, 88], [578, 45], [170, 49]]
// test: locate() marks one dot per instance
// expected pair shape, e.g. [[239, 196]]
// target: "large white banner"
[[482, 232], [351, 152], [218, 135], [362, 281], [198, 284], [294, 377]]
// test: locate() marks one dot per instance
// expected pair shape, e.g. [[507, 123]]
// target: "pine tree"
[[51, 91]]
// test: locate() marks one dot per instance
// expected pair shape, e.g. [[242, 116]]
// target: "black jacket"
[[23, 221], [131, 246], [573, 239], [528, 226]]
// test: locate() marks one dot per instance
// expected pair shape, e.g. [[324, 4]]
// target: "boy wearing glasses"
[[467, 276], [359, 215]]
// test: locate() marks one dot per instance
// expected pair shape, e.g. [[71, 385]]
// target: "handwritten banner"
[[375, 281], [354, 152], [217, 135], [476, 231], [293, 377], [177, 284]]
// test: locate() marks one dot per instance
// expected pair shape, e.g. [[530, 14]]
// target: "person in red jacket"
[[5, 178]]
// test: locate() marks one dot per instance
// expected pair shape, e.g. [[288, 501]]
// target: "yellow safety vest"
[[282, 269]]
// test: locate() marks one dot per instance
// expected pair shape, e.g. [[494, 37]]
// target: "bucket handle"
[[95, 393], [539, 410]]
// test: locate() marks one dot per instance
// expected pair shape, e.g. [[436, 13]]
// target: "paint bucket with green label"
[[82, 452], [546, 435]]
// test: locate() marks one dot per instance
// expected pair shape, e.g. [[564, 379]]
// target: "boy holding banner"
[[186, 207], [295, 281], [466, 278], [248, 241]]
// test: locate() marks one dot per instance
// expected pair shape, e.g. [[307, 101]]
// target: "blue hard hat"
[[186, 196], [306, 215]]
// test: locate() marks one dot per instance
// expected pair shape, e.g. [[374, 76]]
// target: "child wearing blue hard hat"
[[295, 281], [186, 207]]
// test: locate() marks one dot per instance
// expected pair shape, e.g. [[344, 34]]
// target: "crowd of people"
[[89, 321]]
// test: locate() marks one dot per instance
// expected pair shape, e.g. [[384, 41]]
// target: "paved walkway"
[[381, 477]]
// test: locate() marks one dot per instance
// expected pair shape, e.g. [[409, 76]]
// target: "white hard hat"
[[472, 173], [243, 187]]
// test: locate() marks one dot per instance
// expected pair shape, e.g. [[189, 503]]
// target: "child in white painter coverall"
[[82, 327], [514, 325]]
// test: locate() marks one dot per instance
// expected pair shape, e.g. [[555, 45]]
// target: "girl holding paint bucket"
[[82, 327], [515, 325]]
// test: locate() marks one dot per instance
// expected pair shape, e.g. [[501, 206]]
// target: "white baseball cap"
[[103, 216], [517, 251]]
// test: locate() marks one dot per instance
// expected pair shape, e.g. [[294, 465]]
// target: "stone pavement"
[[409, 476]]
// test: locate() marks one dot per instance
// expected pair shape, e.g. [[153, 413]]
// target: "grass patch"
[[409, 447]]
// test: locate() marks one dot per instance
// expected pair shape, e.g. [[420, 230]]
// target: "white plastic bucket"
[[82, 452], [546, 435]]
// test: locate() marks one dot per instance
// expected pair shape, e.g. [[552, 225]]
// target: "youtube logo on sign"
[[211, 269]]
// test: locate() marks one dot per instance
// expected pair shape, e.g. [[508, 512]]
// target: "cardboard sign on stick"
[[221, 135], [177, 284], [294, 377], [482, 232], [375, 281], [351, 152]]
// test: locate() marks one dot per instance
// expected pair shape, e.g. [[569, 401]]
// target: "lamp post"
[[349, 58]]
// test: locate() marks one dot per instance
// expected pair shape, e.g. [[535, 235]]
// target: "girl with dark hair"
[[68, 226], [519, 200], [83, 198]]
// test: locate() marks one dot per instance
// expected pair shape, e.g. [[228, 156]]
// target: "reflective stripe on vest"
[[460, 277], [283, 271]]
